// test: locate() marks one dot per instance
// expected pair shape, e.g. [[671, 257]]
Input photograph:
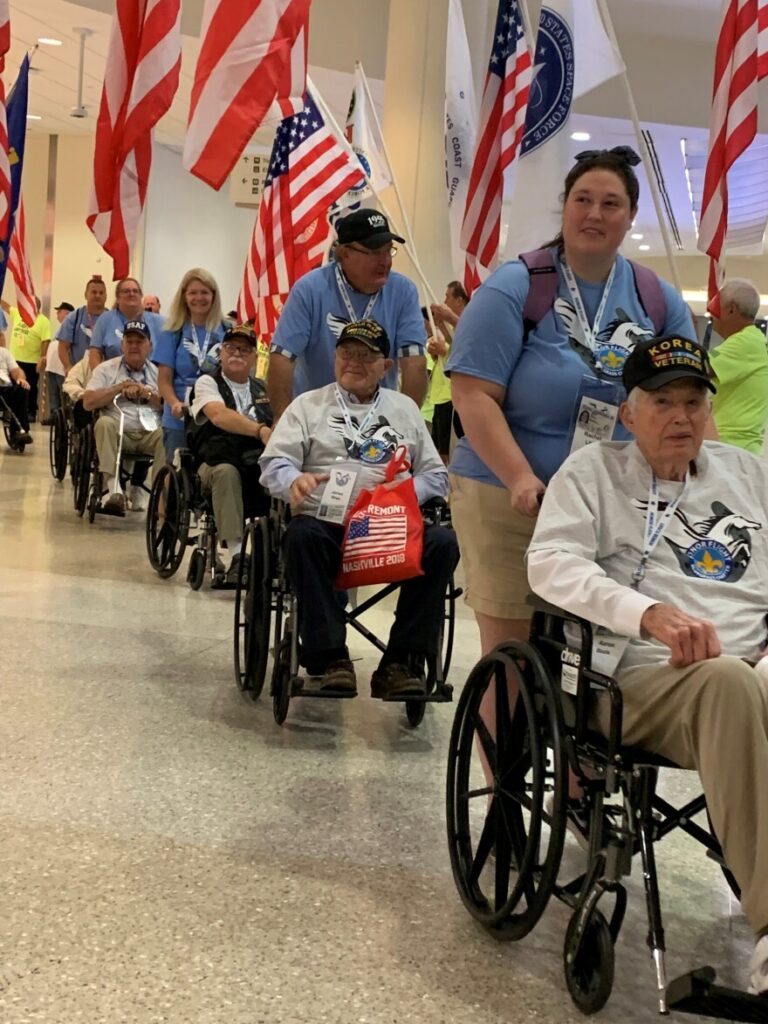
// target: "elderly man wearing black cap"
[[131, 377], [359, 283], [663, 542], [356, 425]]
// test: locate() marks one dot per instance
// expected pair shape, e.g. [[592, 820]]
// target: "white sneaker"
[[758, 969], [138, 499]]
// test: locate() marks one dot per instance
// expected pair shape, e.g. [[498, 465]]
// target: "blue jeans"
[[55, 380], [173, 438]]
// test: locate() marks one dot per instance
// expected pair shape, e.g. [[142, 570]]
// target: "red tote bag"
[[384, 533]]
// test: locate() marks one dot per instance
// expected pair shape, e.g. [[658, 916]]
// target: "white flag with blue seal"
[[573, 56]]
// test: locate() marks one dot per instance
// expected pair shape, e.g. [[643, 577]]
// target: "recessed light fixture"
[[34, 117], [643, 248], [48, 41], [581, 136], [636, 237]]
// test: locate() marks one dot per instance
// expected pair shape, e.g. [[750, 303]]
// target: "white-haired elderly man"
[[740, 365], [663, 541]]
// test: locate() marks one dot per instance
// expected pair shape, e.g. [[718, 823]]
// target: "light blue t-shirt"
[[76, 330], [546, 378], [108, 332], [182, 350], [315, 314]]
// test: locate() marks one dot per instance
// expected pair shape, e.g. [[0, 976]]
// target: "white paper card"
[[148, 417], [607, 651], [595, 422], [337, 494]]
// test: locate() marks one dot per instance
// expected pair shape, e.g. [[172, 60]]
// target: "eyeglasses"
[[237, 350], [392, 251], [357, 355]]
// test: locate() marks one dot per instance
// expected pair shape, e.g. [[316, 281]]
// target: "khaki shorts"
[[493, 539]]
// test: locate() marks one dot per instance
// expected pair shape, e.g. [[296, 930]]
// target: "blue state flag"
[[17, 130]]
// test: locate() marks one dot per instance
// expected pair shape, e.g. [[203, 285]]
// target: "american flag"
[[142, 75], [5, 166], [308, 171], [741, 60], [381, 535], [502, 120], [18, 265], [251, 70]]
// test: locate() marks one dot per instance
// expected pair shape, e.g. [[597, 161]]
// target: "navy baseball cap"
[[368, 227], [137, 327], [652, 364]]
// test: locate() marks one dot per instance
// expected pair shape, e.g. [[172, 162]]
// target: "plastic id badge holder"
[[595, 412]]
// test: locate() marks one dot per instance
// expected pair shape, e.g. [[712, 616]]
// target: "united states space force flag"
[[573, 56], [460, 128]]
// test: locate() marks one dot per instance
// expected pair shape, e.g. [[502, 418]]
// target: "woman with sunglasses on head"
[[531, 354], [188, 346]]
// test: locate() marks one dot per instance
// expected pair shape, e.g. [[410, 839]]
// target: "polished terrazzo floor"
[[169, 854]]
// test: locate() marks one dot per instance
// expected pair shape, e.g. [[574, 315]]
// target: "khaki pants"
[[223, 483], [106, 432], [711, 716]]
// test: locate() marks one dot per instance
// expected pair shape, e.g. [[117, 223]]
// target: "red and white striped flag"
[[308, 171], [18, 265], [502, 119], [5, 166], [251, 71], [741, 60], [142, 75]]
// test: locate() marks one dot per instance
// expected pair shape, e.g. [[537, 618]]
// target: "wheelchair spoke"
[[485, 844], [486, 741], [503, 865]]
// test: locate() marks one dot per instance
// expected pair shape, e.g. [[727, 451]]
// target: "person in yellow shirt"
[[446, 316], [28, 346], [740, 364]]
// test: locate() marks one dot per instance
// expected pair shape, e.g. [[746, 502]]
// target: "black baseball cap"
[[370, 333], [137, 327], [652, 364], [241, 331], [65, 305], [368, 227]]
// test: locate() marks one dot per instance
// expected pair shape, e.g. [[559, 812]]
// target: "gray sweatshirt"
[[312, 436], [711, 562]]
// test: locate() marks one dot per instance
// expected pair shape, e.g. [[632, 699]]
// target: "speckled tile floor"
[[168, 854]]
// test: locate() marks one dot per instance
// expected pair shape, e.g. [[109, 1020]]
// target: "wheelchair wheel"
[[281, 680], [253, 607], [589, 967], [167, 524], [505, 849], [58, 445], [82, 478], [196, 571], [94, 496]]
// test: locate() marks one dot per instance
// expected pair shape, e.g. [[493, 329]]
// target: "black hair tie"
[[624, 153]]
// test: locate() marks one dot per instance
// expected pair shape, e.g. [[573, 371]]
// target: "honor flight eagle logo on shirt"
[[378, 444], [614, 342], [717, 548]]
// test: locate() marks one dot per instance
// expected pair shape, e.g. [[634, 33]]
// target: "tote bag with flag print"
[[384, 533]]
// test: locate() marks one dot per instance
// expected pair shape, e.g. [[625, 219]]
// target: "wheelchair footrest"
[[442, 695], [697, 992], [303, 689], [108, 510]]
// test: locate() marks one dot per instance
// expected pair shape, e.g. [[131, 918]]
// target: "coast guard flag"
[[573, 56], [17, 127], [460, 128]]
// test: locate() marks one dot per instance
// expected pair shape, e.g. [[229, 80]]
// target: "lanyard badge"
[[344, 292], [607, 358], [655, 526]]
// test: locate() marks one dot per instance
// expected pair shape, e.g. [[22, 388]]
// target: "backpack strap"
[[542, 290], [651, 296]]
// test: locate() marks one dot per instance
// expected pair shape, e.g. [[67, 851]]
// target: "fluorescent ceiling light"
[[47, 41], [34, 117], [581, 136], [643, 248], [636, 237]]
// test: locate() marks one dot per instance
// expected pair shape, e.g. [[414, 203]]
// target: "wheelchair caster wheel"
[[281, 681], [196, 571], [589, 966], [414, 712]]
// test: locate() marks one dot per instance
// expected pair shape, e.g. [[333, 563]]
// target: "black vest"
[[214, 446]]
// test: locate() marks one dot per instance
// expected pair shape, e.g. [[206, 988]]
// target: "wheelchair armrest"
[[436, 512]]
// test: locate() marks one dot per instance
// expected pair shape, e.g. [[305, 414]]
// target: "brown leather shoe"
[[340, 675], [396, 680]]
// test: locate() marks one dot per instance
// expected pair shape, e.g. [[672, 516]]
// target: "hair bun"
[[624, 153]]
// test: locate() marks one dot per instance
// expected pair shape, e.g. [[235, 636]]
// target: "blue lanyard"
[[655, 525]]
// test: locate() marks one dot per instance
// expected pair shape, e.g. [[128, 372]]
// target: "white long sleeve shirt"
[[711, 562]]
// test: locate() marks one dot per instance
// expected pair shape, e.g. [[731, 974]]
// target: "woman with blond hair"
[[188, 346]]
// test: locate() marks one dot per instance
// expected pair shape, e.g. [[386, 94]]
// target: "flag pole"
[[344, 142], [643, 151]]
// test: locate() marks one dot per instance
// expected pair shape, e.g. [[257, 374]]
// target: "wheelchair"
[[264, 599], [89, 488], [10, 418], [507, 817], [61, 440]]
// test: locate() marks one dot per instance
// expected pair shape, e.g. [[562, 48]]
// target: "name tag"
[[595, 422], [337, 494], [87, 331], [607, 651], [147, 417]]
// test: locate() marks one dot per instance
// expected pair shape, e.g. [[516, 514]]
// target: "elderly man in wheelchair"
[[124, 390], [355, 424], [662, 544]]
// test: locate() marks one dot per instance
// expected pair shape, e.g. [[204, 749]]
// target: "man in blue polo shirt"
[[106, 342], [76, 330], [358, 284]]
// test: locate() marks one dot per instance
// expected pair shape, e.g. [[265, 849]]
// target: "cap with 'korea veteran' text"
[[369, 332], [652, 364]]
